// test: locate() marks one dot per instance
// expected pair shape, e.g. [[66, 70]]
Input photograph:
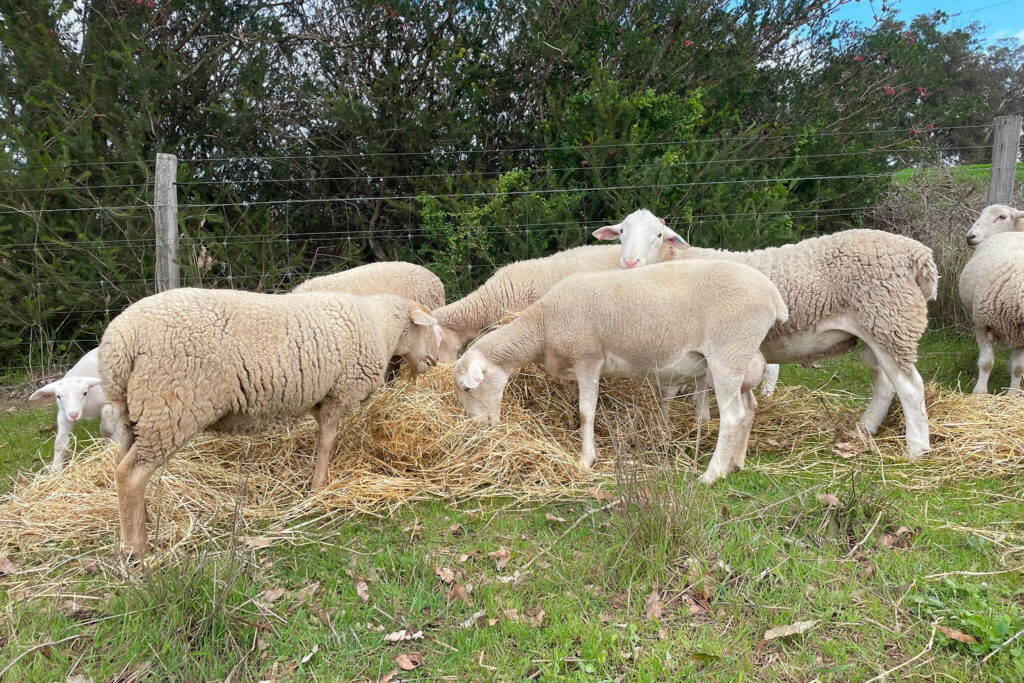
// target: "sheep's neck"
[[480, 309], [392, 323], [516, 344]]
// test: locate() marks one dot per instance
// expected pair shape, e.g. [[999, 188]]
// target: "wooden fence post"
[[165, 210], [1005, 143]]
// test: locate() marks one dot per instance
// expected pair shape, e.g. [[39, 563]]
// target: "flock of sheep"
[[187, 360]]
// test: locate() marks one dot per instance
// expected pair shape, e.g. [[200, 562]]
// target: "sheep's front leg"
[[1016, 370], [881, 395], [60, 444], [986, 357], [588, 380], [327, 417]]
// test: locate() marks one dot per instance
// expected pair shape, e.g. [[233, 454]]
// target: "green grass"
[[754, 552], [974, 173]]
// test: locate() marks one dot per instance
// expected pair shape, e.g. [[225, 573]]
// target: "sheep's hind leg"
[[132, 475], [881, 395], [327, 416], [910, 390], [771, 378], [739, 456], [588, 380], [1016, 370], [701, 389], [986, 356]]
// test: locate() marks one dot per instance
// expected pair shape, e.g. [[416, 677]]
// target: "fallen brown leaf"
[[415, 529], [307, 592], [459, 591], [828, 500], [77, 678], [471, 622], [455, 529], [399, 636], [600, 494], [324, 615], [362, 587], [409, 661], [446, 575], [956, 635], [7, 565], [255, 541], [845, 449], [316, 648], [793, 629], [272, 595], [515, 578], [501, 557], [653, 608], [533, 616], [551, 518], [391, 674]]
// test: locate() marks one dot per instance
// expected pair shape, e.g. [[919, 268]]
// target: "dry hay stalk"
[[411, 441]]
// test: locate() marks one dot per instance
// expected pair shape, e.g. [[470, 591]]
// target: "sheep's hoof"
[[979, 390], [586, 464], [709, 478], [914, 452]]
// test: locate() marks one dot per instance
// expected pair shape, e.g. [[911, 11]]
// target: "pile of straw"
[[411, 441]]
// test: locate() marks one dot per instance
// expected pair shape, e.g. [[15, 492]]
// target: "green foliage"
[[318, 135]]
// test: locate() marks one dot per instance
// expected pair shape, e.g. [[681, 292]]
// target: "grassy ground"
[[681, 582]]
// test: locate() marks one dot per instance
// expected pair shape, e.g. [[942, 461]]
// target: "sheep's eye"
[[1001, 218], [85, 392], [659, 236]]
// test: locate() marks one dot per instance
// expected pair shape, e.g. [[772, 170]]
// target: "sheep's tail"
[[926, 273], [116, 361]]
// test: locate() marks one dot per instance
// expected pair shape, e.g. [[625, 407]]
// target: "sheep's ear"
[[662, 220], [609, 232], [1016, 213], [674, 239], [474, 377], [437, 334], [419, 316], [91, 381], [48, 391]]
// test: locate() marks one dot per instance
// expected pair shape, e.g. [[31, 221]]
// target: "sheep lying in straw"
[[178, 362], [666, 322], [857, 284], [992, 291]]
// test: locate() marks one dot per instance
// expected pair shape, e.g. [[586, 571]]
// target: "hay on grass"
[[411, 441]]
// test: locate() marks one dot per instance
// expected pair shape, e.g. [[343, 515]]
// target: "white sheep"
[[178, 362], [407, 280], [992, 291], [993, 220], [667, 322], [856, 284], [511, 289], [79, 397]]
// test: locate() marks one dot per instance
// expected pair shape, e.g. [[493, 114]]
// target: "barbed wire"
[[513, 150], [184, 238]]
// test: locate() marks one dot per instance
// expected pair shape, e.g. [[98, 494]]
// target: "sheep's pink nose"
[[630, 262], [73, 416]]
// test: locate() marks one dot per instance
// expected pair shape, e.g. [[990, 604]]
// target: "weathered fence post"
[[1005, 143], [165, 210]]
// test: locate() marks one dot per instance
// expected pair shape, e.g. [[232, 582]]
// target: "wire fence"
[[270, 244]]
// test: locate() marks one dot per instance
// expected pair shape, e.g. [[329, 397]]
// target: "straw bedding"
[[411, 441]]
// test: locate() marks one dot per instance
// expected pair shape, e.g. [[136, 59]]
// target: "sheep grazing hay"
[[410, 441]]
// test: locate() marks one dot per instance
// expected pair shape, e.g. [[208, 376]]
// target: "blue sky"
[[1001, 18]]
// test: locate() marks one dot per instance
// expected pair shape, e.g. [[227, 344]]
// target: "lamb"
[[79, 397], [993, 220], [407, 280], [856, 284], [615, 323], [178, 362], [992, 291]]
